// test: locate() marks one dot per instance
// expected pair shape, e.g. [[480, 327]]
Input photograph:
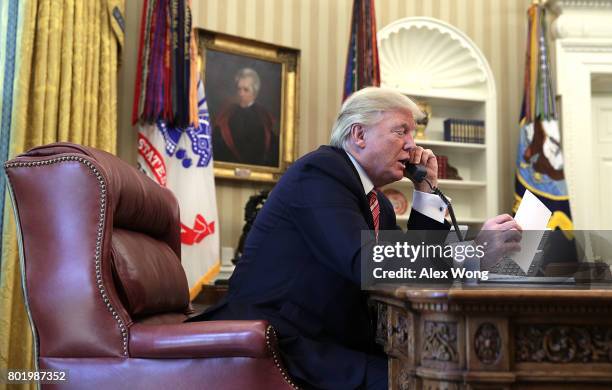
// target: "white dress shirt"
[[427, 204]]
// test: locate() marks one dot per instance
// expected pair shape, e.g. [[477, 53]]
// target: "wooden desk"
[[496, 338]]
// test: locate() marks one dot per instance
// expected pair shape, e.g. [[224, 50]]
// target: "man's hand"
[[425, 157], [500, 236]]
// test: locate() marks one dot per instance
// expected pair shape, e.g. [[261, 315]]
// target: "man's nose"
[[409, 141]]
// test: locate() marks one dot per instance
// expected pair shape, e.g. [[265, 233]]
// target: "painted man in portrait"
[[244, 129]]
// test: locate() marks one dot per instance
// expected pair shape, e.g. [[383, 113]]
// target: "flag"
[[181, 160], [362, 68], [174, 132], [539, 161], [165, 76]]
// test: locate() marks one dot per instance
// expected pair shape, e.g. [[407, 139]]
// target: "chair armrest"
[[200, 340]]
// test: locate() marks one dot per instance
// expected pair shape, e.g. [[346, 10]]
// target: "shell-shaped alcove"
[[429, 56]]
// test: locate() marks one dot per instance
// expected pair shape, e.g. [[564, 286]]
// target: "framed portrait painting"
[[252, 93]]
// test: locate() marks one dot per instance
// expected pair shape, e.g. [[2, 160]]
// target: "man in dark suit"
[[301, 266]]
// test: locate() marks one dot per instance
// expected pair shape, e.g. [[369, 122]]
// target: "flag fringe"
[[205, 279]]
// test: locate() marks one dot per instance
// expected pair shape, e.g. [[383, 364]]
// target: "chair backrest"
[[99, 249]]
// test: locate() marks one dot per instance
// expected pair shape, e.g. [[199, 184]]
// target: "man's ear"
[[358, 135]]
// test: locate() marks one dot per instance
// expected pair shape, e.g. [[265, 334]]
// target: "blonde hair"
[[366, 107]]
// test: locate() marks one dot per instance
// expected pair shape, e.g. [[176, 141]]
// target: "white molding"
[[586, 45], [593, 24], [446, 183], [434, 61], [453, 145], [577, 59], [405, 51], [559, 6], [581, 19]]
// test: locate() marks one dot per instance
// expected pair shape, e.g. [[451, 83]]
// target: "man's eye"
[[400, 132]]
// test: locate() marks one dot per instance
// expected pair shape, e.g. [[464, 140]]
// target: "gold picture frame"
[[251, 89]]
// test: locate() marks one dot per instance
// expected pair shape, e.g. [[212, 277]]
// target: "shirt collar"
[[363, 176], [250, 104]]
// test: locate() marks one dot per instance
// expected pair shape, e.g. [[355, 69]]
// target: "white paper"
[[532, 215]]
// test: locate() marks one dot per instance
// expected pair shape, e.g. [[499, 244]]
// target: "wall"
[[320, 28]]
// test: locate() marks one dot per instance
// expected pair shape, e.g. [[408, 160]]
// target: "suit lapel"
[[387, 214], [354, 183]]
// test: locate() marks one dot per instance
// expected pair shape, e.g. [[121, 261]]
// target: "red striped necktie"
[[375, 209]]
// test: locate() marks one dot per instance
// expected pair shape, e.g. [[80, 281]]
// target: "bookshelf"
[[448, 146], [433, 62]]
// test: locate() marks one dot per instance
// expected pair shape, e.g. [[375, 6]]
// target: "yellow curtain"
[[65, 90]]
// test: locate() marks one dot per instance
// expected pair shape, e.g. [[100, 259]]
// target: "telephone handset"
[[415, 172]]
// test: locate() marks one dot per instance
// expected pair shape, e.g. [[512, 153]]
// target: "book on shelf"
[[442, 166], [464, 130]]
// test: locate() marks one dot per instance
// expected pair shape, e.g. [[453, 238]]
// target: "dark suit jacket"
[[301, 270]]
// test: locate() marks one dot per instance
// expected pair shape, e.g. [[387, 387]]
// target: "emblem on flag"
[[199, 137], [195, 235]]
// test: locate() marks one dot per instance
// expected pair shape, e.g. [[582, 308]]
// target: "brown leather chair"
[[105, 291]]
